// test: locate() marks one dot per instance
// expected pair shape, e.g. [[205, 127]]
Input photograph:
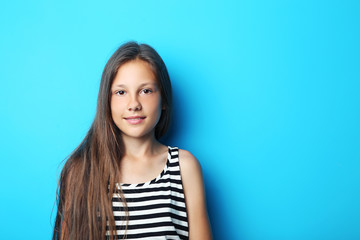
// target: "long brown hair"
[[88, 179]]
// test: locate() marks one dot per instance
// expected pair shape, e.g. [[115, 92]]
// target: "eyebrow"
[[140, 86]]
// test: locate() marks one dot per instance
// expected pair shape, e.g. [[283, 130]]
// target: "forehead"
[[135, 72]]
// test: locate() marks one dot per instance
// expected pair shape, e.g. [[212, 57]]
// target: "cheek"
[[112, 107], [155, 104], [115, 107]]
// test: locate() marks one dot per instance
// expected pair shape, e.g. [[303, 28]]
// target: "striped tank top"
[[156, 209]]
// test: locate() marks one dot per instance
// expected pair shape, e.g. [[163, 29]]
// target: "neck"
[[138, 147]]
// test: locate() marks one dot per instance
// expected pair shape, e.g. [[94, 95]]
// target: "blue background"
[[266, 97]]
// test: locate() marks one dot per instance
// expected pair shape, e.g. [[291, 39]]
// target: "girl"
[[121, 182]]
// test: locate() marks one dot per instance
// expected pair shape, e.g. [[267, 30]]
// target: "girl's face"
[[135, 99]]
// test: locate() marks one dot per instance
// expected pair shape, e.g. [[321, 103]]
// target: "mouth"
[[135, 119]]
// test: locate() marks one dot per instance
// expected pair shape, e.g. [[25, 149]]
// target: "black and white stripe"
[[156, 209]]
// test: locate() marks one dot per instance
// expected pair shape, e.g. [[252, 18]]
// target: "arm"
[[199, 227], [66, 197], [64, 233]]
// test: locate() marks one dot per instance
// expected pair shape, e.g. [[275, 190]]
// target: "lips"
[[135, 119]]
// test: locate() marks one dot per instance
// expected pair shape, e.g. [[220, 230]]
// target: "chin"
[[135, 134]]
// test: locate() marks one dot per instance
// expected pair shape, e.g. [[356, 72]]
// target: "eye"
[[120, 92], [146, 91]]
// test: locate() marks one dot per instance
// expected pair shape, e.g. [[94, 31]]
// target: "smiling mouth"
[[137, 117], [135, 120]]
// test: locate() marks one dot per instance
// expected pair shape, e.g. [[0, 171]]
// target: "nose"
[[134, 104]]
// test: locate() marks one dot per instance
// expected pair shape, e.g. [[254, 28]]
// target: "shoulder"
[[192, 180], [189, 165], [69, 175], [71, 166], [191, 173]]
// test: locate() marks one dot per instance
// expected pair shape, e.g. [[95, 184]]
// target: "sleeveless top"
[[156, 209]]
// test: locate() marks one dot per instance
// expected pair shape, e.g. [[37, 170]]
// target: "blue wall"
[[266, 96]]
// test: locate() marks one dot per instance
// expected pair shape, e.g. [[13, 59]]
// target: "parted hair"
[[88, 179]]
